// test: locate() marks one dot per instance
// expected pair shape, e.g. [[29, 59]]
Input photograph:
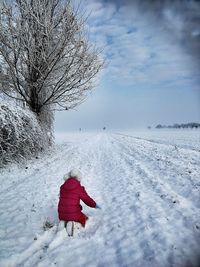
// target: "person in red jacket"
[[71, 192]]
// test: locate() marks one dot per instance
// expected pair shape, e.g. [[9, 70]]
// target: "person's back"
[[71, 192]]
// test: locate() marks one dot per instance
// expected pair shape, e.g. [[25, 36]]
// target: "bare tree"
[[46, 57]]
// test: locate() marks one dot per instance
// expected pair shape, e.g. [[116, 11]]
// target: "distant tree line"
[[190, 125]]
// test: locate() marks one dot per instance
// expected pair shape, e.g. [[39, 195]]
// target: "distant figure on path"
[[69, 208]]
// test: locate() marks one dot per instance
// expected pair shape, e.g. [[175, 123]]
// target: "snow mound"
[[20, 134]]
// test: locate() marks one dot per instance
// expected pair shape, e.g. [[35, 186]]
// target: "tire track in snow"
[[131, 229], [163, 166], [118, 189], [68, 158], [151, 178], [139, 207], [165, 210], [30, 192], [122, 222]]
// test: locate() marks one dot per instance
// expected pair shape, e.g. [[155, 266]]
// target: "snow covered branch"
[[21, 136], [46, 56]]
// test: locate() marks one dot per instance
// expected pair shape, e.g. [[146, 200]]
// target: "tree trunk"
[[34, 101]]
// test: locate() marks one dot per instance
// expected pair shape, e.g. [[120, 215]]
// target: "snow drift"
[[21, 136]]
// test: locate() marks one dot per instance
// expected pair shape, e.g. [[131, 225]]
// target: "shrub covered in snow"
[[20, 134]]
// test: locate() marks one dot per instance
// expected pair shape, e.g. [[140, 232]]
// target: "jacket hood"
[[71, 183], [74, 173]]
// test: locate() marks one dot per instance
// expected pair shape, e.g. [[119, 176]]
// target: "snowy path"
[[150, 198]]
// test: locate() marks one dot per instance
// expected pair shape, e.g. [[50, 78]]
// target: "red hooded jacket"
[[69, 208]]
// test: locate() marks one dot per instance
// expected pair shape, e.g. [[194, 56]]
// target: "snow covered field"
[[147, 184], [188, 138]]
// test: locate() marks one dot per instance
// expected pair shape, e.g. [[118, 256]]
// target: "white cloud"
[[138, 47], [98, 9], [174, 20]]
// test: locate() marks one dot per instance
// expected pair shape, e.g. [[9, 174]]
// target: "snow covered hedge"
[[21, 136]]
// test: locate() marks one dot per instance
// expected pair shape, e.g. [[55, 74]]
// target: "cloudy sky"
[[152, 75]]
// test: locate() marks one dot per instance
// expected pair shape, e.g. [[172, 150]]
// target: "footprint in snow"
[[59, 238], [91, 227]]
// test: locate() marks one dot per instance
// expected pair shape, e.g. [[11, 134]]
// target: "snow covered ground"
[[186, 138], [147, 185]]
